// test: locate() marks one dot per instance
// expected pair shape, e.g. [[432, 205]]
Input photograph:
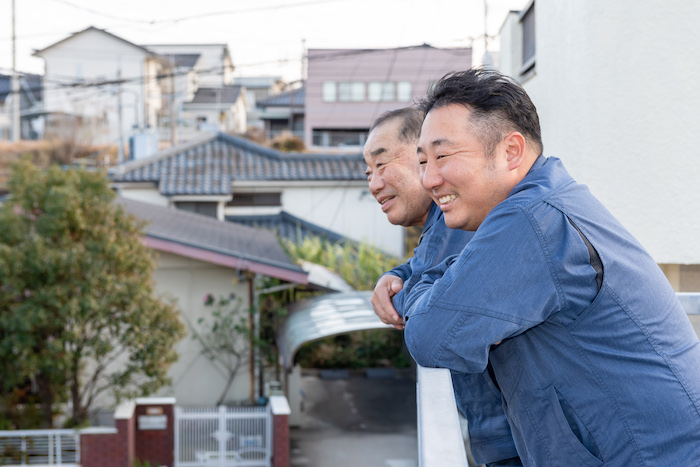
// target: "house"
[[223, 175], [203, 98], [30, 106], [107, 83], [258, 88], [346, 89], [284, 113], [615, 85], [198, 256], [214, 66], [218, 109]]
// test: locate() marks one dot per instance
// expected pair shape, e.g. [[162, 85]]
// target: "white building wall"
[[348, 210], [195, 381], [146, 195], [615, 86]]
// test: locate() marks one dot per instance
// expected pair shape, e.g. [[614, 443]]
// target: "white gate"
[[40, 448], [223, 436]]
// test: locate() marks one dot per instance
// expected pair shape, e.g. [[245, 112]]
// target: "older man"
[[598, 363], [393, 176]]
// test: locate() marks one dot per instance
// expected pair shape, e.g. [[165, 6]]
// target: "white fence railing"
[[40, 448], [223, 437]]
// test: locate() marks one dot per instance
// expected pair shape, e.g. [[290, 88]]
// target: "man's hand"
[[387, 286]]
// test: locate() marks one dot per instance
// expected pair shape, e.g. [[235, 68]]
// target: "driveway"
[[351, 420]]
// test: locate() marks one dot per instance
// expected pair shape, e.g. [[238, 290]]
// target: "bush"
[[288, 143]]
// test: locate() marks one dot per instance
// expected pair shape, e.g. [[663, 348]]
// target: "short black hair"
[[497, 103], [411, 119]]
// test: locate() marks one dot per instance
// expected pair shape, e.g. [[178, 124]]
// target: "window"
[[375, 91], [329, 91], [256, 199], [527, 21], [381, 91], [403, 91], [353, 91], [206, 208]]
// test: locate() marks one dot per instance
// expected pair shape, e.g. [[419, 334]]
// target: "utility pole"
[[120, 144], [174, 110], [16, 131], [486, 60]]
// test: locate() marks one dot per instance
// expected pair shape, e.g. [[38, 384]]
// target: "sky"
[[265, 37]]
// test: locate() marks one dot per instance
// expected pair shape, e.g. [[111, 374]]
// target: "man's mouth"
[[384, 200], [446, 199]]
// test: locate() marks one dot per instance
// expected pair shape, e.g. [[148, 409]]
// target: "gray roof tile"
[[210, 234], [222, 95], [209, 166]]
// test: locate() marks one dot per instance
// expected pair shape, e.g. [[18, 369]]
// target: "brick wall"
[[280, 431], [155, 446]]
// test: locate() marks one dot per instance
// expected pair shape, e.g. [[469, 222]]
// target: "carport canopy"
[[325, 316]]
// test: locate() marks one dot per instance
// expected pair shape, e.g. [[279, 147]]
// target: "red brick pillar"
[[155, 431], [280, 431], [110, 447]]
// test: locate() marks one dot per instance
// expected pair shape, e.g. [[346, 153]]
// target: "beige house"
[[198, 256]]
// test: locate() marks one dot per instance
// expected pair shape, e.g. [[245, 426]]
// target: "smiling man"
[[393, 177], [598, 363]]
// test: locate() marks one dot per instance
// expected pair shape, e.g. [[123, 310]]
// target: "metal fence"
[[40, 448], [223, 437]]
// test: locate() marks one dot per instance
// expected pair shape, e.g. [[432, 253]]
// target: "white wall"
[[347, 210], [616, 90], [194, 380]]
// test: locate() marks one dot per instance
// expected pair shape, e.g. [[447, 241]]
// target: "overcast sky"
[[264, 36]]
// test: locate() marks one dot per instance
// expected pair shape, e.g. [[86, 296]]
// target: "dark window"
[[207, 209], [339, 137], [527, 20], [256, 199]]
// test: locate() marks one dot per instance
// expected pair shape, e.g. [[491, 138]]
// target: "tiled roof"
[[209, 234], [222, 95], [295, 97], [209, 165], [287, 226]]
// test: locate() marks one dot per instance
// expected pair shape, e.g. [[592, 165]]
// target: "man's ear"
[[514, 145]]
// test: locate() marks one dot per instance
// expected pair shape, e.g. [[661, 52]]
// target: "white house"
[[110, 84], [225, 176], [615, 85]]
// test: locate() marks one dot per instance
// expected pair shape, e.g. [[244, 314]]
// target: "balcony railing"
[[440, 440]]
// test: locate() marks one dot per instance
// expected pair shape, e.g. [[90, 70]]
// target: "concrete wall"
[[194, 380], [420, 66], [615, 85]]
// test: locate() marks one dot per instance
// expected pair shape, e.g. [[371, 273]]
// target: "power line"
[[199, 16]]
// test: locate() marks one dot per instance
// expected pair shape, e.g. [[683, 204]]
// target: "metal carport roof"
[[325, 316]]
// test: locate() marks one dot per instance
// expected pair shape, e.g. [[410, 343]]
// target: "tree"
[[224, 337], [78, 314]]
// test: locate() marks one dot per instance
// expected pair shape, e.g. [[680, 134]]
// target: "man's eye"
[[422, 162]]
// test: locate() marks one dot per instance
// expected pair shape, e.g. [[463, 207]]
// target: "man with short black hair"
[[393, 176], [597, 361]]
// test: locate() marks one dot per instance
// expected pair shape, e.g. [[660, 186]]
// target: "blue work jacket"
[[477, 398], [599, 364]]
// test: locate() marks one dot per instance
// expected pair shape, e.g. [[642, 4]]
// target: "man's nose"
[[376, 183], [430, 176]]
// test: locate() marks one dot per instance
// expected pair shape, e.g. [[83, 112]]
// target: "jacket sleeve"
[[403, 271], [498, 287]]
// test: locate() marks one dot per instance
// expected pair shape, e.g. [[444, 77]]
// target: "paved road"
[[356, 421]]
